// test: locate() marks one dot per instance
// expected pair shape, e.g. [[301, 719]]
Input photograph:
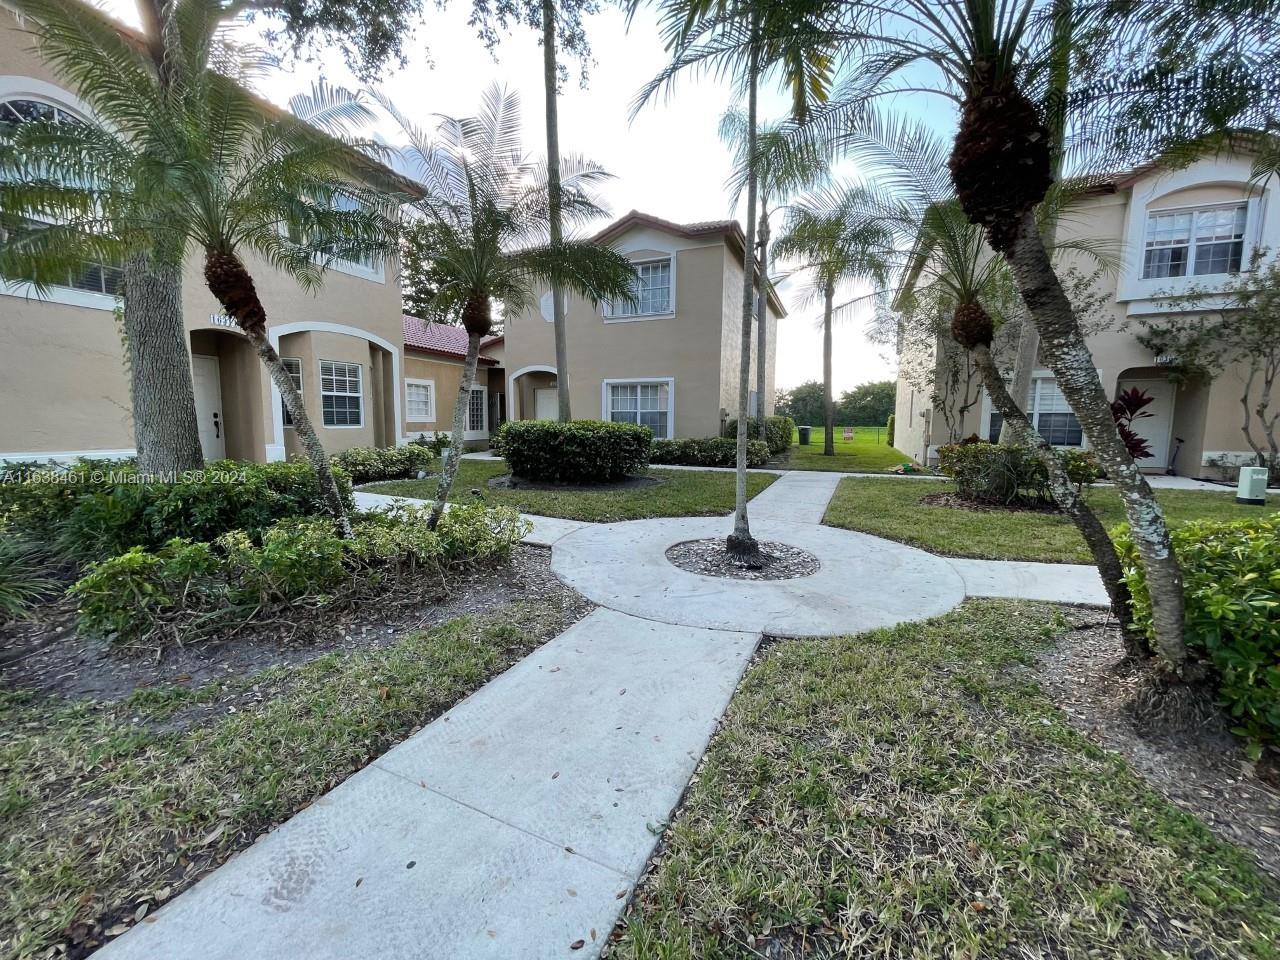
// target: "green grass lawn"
[[867, 452], [686, 493], [912, 793], [110, 807], [891, 507]]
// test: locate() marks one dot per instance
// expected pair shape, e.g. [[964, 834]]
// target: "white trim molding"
[[670, 383], [431, 400]]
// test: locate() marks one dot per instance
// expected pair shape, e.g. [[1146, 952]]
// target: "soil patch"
[[47, 653], [710, 558], [509, 482], [1206, 771], [958, 502]]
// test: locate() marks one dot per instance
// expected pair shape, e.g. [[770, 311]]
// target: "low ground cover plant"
[[580, 451], [778, 432], [370, 464], [707, 452], [1231, 577], [186, 590], [1004, 474]]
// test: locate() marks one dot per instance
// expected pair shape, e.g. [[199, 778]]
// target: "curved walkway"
[[516, 824]]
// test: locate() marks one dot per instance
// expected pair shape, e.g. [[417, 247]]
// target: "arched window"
[[103, 278]]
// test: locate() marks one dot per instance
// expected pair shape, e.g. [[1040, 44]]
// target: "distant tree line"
[[866, 405]]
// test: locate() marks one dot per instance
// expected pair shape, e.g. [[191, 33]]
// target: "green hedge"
[[778, 431], [189, 589], [1005, 473], [1231, 578], [367, 464], [708, 452], [581, 451], [97, 509], [889, 430]]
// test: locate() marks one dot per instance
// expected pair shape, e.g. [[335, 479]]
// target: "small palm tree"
[[197, 160], [491, 218]]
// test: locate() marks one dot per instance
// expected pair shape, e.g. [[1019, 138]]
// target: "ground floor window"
[[475, 411], [1049, 413], [292, 366], [421, 400], [341, 395], [645, 403]]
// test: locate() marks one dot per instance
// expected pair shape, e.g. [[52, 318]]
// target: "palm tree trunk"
[[828, 401], [550, 83], [1067, 497], [458, 439], [740, 544], [762, 323], [233, 287], [1065, 351], [165, 427]]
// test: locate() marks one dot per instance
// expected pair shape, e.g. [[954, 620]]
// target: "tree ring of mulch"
[[957, 502], [508, 481], [710, 558]]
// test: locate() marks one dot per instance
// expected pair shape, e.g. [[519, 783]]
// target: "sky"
[[668, 161]]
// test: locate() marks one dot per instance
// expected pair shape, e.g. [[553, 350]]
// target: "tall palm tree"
[[199, 160], [746, 40], [491, 216]]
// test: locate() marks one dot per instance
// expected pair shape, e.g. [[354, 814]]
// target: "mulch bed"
[[47, 654], [957, 502], [508, 481], [1204, 771], [710, 558]]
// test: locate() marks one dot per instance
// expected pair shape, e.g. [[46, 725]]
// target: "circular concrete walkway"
[[864, 582]]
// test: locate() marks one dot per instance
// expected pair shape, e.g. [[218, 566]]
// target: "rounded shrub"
[[580, 451], [778, 432], [1231, 579], [994, 472], [707, 452], [368, 464]]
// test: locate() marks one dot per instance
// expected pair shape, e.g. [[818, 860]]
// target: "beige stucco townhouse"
[[1172, 229], [669, 362], [65, 388]]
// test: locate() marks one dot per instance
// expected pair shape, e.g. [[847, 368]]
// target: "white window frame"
[[609, 310], [605, 395], [1030, 409], [1192, 244], [296, 376], [483, 433], [431, 401], [359, 394]]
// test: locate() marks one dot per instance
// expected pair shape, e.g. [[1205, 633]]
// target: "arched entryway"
[[531, 393]]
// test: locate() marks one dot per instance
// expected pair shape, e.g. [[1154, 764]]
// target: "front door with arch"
[[546, 403], [205, 375], [1156, 429]]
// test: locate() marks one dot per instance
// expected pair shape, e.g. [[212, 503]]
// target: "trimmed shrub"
[[367, 464], [1231, 578], [1081, 466], [91, 511], [581, 451], [994, 472], [707, 452], [889, 430], [778, 431], [193, 589]]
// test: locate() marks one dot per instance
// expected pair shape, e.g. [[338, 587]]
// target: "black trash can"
[[804, 435]]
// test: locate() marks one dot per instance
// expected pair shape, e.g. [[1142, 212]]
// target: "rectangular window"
[[294, 368], [420, 401], [652, 291], [475, 411], [1051, 415], [341, 396], [91, 276], [648, 404], [1201, 242]]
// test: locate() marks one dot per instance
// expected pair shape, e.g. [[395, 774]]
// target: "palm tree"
[[198, 160], [491, 214], [746, 40]]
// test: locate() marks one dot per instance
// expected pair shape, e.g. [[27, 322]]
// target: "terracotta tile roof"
[[442, 339]]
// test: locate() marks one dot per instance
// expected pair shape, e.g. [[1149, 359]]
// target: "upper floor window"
[[1195, 242], [652, 290], [22, 110], [90, 276]]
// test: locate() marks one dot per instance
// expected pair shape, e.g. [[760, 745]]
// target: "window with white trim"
[[341, 395], [293, 367], [1051, 415], [24, 110], [475, 410], [420, 400], [648, 404], [1195, 242], [652, 290]]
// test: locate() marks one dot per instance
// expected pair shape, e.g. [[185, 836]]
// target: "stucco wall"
[[446, 377]]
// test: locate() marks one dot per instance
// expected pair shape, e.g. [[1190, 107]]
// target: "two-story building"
[[1174, 229], [65, 384], [669, 361]]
